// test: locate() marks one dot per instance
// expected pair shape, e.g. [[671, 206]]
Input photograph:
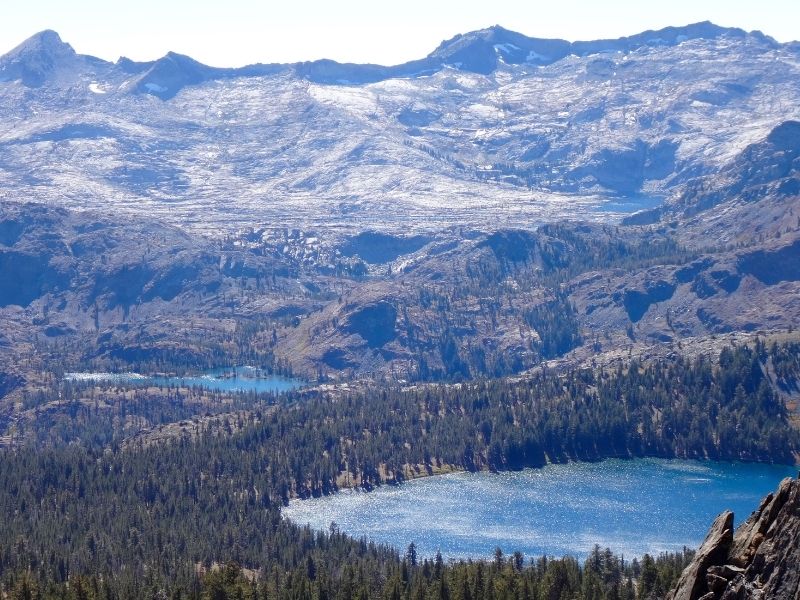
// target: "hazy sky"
[[238, 32]]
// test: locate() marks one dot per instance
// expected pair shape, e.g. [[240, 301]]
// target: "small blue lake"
[[631, 506], [629, 205], [233, 379]]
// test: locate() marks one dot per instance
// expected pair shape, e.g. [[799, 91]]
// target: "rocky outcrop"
[[375, 323], [637, 302], [714, 550], [762, 170], [375, 247], [760, 561], [772, 266]]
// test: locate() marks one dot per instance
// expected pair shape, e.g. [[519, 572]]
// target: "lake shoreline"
[[220, 379], [559, 509], [417, 472]]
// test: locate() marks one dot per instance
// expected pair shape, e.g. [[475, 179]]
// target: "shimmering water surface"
[[633, 507], [234, 379]]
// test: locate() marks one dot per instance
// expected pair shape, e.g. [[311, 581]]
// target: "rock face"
[[760, 561], [375, 323], [714, 550], [758, 191]]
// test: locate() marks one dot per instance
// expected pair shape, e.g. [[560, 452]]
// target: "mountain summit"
[[37, 58], [481, 51], [172, 72]]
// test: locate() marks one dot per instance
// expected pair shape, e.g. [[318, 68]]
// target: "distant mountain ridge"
[[490, 120], [44, 56]]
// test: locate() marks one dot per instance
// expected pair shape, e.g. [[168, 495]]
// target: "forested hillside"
[[116, 521], [509, 253]]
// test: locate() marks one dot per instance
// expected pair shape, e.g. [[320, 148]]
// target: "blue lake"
[[629, 205], [630, 506], [233, 379]]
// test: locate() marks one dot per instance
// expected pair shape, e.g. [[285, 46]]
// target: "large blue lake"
[[631, 506], [234, 379]]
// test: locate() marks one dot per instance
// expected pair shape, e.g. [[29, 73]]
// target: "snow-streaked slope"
[[518, 145]]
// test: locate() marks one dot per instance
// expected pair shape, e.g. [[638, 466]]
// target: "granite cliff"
[[759, 560]]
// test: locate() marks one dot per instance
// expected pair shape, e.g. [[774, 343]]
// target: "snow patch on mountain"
[[272, 145]]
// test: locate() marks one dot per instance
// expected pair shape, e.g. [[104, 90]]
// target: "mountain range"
[[509, 253], [719, 260], [45, 58], [491, 126], [375, 228]]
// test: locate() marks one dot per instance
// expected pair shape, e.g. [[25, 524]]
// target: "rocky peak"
[[35, 59], [169, 74], [759, 561], [714, 550], [45, 42], [481, 51], [126, 65], [786, 136]]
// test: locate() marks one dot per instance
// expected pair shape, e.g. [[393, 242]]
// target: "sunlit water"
[[239, 379], [629, 205], [633, 507]]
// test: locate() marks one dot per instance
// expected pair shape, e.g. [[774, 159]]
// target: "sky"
[[233, 33]]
